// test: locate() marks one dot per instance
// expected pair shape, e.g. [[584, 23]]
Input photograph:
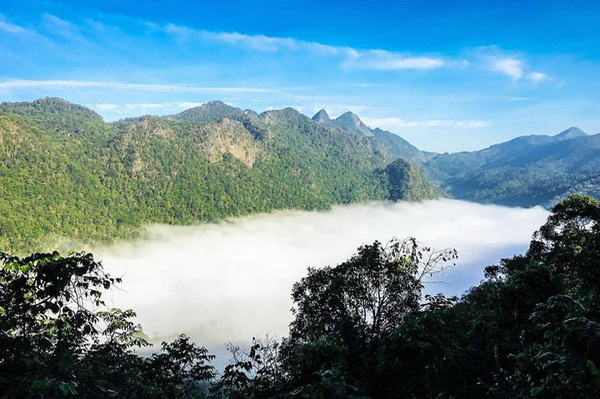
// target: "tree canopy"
[[361, 329], [57, 338]]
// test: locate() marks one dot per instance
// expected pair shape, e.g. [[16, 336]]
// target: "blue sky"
[[446, 75]]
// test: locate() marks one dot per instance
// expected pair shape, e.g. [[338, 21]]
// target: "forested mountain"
[[65, 172], [526, 171]]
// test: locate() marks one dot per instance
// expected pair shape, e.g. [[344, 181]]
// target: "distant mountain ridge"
[[525, 171], [210, 111], [64, 172]]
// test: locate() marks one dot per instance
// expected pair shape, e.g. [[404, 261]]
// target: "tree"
[[55, 340], [569, 243], [536, 316], [45, 319], [253, 373], [344, 314]]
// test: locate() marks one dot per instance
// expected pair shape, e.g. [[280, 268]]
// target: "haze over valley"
[[232, 280]]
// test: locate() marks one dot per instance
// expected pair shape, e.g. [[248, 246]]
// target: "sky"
[[445, 75]]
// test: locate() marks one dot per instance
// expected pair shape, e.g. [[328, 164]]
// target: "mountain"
[[525, 171], [64, 172], [347, 121], [400, 147], [395, 144], [322, 117], [208, 112], [352, 123], [570, 133]]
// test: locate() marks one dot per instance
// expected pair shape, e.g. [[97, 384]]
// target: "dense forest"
[[361, 329], [525, 171], [65, 173]]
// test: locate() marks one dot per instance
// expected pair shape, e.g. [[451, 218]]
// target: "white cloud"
[[512, 64], [509, 66], [231, 281], [103, 107], [399, 123], [64, 28], [27, 84], [537, 76], [389, 61], [56, 21], [255, 42], [143, 108], [354, 58], [10, 27], [516, 69]]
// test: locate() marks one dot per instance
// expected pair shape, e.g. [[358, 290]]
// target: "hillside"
[[525, 171], [66, 173]]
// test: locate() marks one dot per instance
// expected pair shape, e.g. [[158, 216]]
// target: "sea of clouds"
[[230, 281]]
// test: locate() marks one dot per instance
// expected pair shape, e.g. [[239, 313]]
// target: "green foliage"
[[55, 343], [64, 173], [253, 373], [408, 182], [544, 310], [344, 316], [526, 171], [531, 329], [569, 244]]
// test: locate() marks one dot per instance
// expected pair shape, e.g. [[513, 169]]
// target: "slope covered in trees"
[[361, 329], [66, 173], [526, 171]]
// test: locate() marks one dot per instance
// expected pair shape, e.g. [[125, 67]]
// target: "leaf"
[[37, 384], [592, 368], [68, 388], [536, 390]]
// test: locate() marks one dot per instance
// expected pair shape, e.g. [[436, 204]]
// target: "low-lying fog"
[[232, 281]]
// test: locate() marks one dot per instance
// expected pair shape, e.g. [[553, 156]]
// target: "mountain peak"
[[570, 133], [207, 112], [349, 115], [48, 105], [216, 107], [322, 117], [352, 122]]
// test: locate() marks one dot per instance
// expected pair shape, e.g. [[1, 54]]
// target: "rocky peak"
[[352, 122], [322, 117]]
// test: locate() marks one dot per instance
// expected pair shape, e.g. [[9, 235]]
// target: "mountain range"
[[67, 173], [525, 171]]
